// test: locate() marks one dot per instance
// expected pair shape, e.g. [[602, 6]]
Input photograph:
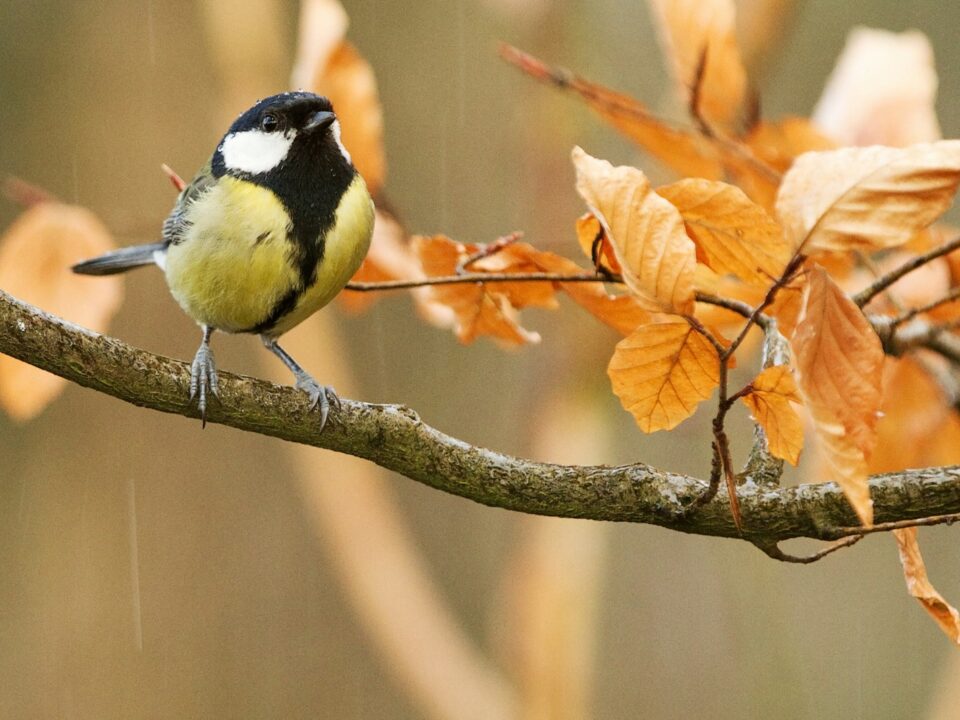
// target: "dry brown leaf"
[[700, 45], [662, 371], [517, 258], [329, 65], [621, 312], [36, 253], [882, 91], [478, 309], [646, 231], [686, 152], [918, 585], [840, 364], [732, 233], [588, 230], [867, 198], [769, 401]]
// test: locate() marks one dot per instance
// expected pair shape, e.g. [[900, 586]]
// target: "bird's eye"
[[269, 122]]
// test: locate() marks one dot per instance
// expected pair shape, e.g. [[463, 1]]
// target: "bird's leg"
[[203, 375], [322, 395]]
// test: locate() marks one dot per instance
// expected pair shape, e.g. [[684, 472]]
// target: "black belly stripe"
[[310, 183]]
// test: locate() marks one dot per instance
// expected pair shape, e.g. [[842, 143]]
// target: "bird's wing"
[[176, 223]]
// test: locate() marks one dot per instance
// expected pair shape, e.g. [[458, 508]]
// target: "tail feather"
[[118, 261]]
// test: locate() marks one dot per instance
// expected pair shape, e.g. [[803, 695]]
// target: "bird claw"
[[203, 378], [320, 395]]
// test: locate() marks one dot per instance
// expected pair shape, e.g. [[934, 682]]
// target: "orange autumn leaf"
[[662, 371], [329, 65], [732, 233], [882, 91], [867, 198], [588, 230], [520, 258], [684, 151], [478, 310], [647, 234], [840, 363], [919, 586], [621, 312], [769, 400], [36, 253], [700, 45]]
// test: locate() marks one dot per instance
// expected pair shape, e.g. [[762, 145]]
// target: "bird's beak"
[[320, 120]]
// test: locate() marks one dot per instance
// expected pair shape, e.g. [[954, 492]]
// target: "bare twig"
[[909, 315], [470, 278], [796, 262], [882, 283], [625, 107], [948, 519], [488, 250], [776, 553]]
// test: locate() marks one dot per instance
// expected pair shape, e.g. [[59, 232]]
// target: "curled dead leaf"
[[36, 253], [919, 586], [647, 233], [478, 309], [595, 244], [662, 371]]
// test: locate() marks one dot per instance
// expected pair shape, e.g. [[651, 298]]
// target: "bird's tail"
[[118, 261]]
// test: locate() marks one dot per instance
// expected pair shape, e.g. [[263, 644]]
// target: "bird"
[[269, 231]]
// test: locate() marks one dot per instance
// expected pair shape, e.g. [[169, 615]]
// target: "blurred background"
[[149, 569]]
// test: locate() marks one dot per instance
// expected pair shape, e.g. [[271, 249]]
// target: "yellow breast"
[[234, 263]]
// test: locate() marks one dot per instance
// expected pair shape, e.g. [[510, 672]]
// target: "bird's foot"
[[322, 396], [203, 379]]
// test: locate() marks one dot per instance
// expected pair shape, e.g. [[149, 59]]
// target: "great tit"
[[266, 234]]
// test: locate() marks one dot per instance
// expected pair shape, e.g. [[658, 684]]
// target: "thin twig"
[[776, 553], [931, 520], [468, 278], [788, 273], [487, 250], [909, 315], [626, 107], [882, 283]]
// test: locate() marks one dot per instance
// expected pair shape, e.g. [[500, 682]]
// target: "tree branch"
[[395, 438]]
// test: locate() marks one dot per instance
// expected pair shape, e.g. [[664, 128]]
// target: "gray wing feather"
[[177, 223]]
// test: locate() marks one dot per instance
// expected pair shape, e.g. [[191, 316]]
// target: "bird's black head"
[[292, 133]]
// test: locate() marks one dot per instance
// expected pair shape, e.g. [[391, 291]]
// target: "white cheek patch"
[[335, 132], [255, 151]]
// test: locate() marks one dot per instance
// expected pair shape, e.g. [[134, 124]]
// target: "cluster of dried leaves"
[[780, 226]]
